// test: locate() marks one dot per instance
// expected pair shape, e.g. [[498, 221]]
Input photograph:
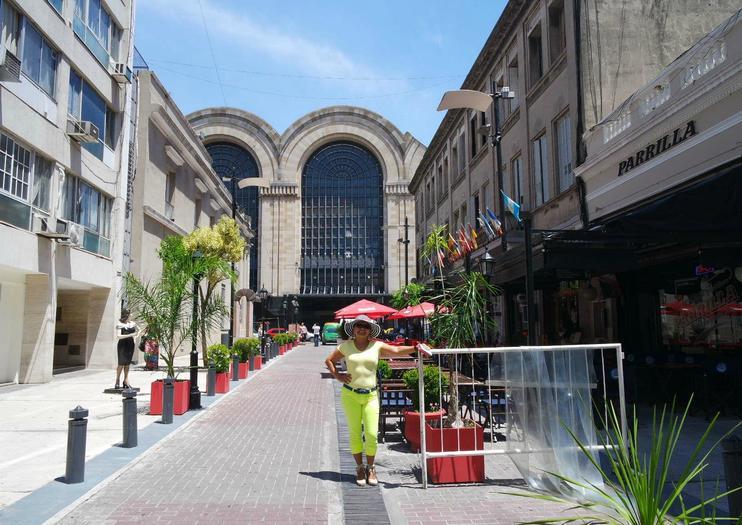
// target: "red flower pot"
[[257, 362], [244, 367], [412, 426], [181, 396], [282, 350], [460, 469], [222, 382]]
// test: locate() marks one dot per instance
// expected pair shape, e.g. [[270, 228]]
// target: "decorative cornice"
[[281, 189], [397, 188]]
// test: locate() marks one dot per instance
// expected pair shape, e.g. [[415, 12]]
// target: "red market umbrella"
[[364, 307], [411, 312], [677, 308]]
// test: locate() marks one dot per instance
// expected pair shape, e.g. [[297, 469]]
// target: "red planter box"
[[257, 362], [181, 397], [244, 367], [282, 350], [222, 382], [412, 426], [462, 469]]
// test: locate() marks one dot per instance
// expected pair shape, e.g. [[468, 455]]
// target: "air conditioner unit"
[[70, 234], [121, 73], [82, 131], [47, 227], [10, 67]]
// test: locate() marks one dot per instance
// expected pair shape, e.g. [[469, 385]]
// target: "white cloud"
[[300, 55]]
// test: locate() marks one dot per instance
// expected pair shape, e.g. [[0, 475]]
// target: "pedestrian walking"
[[315, 331], [360, 396], [126, 332]]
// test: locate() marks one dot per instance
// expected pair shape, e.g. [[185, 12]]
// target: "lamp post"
[[469, 99], [195, 394], [406, 242], [487, 268], [263, 295], [294, 308], [284, 308]]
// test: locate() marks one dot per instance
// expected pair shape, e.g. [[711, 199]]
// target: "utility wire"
[[303, 97], [211, 49], [288, 75]]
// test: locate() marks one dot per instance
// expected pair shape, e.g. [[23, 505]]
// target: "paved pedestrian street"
[[268, 453]]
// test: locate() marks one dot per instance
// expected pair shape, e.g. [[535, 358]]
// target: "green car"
[[330, 333]]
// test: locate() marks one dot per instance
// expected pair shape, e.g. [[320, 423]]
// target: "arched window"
[[230, 160], [342, 250]]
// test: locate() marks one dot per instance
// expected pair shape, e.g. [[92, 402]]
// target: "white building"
[[64, 141]]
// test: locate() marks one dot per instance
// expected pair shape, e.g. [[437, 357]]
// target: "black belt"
[[361, 390]]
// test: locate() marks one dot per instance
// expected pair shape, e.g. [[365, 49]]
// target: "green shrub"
[[221, 357], [384, 369], [433, 383], [246, 347]]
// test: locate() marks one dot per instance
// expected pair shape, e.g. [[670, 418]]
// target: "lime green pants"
[[361, 410]]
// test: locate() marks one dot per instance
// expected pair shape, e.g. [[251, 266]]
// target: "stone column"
[[39, 315], [101, 346]]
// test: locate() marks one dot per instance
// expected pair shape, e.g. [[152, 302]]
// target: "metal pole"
[[526, 216], [130, 418], [76, 439], [211, 380], [168, 392], [231, 281], [195, 395], [406, 251], [235, 367], [421, 397], [495, 136]]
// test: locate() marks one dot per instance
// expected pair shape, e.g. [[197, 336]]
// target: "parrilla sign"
[[656, 148]]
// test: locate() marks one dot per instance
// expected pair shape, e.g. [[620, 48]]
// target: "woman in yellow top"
[[360, 397]]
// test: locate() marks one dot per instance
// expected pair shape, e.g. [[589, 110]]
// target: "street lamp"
[[469, 99], [284, 307], [406, 242], [295, 307], [263, 295], [195, 394], [241, 184]]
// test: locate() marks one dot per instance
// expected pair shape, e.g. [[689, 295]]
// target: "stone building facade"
[[570, 64], [285, 266]]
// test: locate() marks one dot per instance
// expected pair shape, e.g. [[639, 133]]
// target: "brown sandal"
[[360, 475], [371, 478]]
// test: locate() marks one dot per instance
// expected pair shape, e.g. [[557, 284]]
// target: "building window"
[[42, 182], [541, 170], [15, 167], [441, 188], [56, 4], [446, 179], [483, 193], [516, 167], [513, 81], [11, 28], [169, 193], [535, 56], [557, 39], [39, 62], [88, 207], [473, 140], [94, 26], [462, 155], [431, 204], [85, 104], [197, 206], [482, 125], [476, 207], [455, 162], [455, 221], [563, 134]]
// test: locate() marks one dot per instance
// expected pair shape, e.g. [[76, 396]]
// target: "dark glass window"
[[342, 249], [230, 160]]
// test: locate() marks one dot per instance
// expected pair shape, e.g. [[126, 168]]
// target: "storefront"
[[663, 183]]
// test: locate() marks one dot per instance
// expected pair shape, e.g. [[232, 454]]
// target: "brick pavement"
[[266, 454]]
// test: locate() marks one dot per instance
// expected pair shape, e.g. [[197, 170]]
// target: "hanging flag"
[[486, 225], [512, 206], [473, 235], [495, 222], [451, 243]]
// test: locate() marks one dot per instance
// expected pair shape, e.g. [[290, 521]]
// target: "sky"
[[282, 60]]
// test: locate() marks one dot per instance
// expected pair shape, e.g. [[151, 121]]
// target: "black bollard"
[[130, 418], [211, 380], [251, 362], [235, 367], [76, 439], [168, 392]]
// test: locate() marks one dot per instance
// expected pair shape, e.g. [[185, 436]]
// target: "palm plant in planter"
[[221, 357], [433, 383], [244, 349]]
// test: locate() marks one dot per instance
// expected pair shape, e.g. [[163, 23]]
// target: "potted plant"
[[242, 348], [221, 357], [460, 322], [433, 381], [280, 340], [163, 306]]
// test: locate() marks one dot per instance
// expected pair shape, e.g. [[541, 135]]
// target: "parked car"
[[330, 333], [274, 331]]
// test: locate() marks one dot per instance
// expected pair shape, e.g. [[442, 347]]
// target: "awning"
[[364, 307], [412, 312]]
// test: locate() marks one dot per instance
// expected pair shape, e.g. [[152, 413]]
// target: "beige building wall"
[[281, 160]]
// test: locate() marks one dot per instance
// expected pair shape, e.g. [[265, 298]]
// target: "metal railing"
[[509, 385]]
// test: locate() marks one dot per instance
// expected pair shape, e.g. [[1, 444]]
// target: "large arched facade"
[[360, 142]]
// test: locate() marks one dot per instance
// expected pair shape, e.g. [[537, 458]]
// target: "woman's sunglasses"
[[367, 327]]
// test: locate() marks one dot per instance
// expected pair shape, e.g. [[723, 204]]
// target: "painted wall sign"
[[656, 148]]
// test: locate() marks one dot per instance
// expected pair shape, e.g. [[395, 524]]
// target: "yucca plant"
[[638, 489]]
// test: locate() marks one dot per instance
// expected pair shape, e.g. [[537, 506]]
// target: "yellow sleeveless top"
[[361, 364]]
